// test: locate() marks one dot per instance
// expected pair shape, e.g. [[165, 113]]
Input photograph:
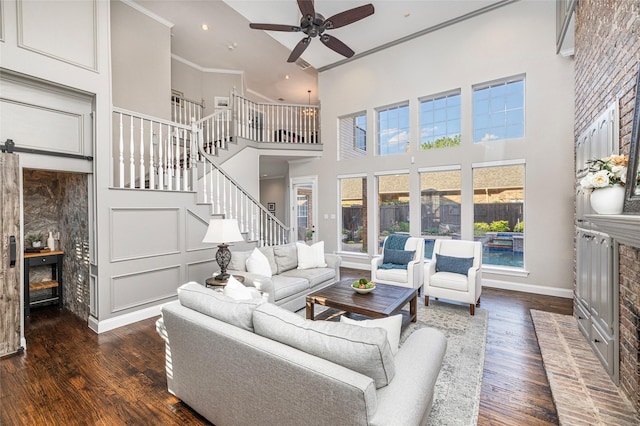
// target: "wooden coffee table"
[[384, 301]]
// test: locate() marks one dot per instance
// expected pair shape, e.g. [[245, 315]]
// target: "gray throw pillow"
[[398, 257], [216, 305], [286, 256], [457, 265], [362, 349], [238, 261]]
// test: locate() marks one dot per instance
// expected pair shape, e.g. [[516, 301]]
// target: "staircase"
[[171, 155]]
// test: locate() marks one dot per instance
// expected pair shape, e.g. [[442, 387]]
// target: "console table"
[[53, 258]]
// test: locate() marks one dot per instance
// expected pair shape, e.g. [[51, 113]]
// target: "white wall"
[[513, 40], [273, 190], [140, 62]]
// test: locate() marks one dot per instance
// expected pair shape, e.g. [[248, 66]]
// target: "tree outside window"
[[440, 199], [393, 206], [440, 122], [353, 202]]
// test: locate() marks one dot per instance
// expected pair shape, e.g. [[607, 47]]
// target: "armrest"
[[408, 398], [333, 261], [475, 281], [261, 282]]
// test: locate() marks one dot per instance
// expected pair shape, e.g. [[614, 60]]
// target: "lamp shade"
[[222, 231]]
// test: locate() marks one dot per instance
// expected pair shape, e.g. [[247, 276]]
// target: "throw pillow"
[[286, 257], [236, 290], [457, 265], [258, 263], [398, 257], [238, 261], [311, 256], [362, 349], [390, 324], [216, 305]]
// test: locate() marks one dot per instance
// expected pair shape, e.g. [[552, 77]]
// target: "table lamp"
[[223, 231]]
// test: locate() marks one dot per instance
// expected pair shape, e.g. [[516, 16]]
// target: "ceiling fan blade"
[[336, 45], [349, 16], [306, 8], [300, 47], [275, 27]]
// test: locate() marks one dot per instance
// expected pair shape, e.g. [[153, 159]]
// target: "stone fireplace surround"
[[625, 229]]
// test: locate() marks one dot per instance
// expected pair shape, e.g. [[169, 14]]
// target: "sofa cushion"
[[284, 286], [450, 281], [315, 276], [286, 256], [257, 263], [362, 349], [391, 325], [311, 256], [239, 260], [398, 275], [216, 305], [268, 253], [456, 265]]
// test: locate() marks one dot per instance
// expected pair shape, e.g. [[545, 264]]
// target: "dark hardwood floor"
[[70, 376]]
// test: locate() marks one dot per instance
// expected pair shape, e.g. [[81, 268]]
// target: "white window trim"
[[440, 95], [499, 163], [392, 172], [505, 80], [440, 168]]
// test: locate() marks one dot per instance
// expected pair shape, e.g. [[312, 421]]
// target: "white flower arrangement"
[[607, 171]]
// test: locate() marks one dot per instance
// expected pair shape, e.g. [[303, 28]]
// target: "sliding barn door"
[[10, 249]]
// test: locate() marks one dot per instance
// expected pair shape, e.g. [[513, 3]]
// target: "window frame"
[[489, 85], [434, 98], [353, 143], [398, 105]]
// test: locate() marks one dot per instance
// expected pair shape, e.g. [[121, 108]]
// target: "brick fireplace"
[[607, 52]]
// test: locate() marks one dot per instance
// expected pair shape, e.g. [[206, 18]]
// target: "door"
[[304, 199], [10, 249]]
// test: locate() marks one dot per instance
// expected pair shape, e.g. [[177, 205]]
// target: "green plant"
[[518, 227], [404, 226], [499, 226], [481, 228], [442, 142], [31, 238]]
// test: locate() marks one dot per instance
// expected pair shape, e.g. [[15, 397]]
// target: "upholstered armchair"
[[401, 262], [455, 272]]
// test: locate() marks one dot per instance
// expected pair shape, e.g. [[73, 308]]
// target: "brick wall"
[[607, 53]]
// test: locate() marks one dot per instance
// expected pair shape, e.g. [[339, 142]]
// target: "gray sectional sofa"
[[248, 362], [288, 286]]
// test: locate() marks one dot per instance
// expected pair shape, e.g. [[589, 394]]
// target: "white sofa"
[[248, 362], [288, 286]]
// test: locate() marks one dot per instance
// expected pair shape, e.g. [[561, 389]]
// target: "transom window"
[[498, 111], [393, 129], [353, 136], [440, 121]]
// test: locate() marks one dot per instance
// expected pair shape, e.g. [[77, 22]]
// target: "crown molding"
[[149, 13]]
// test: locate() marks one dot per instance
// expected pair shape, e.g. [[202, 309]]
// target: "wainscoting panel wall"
[[75, 44], [205, 268], [196, 227], [144, 232], [140, 288]]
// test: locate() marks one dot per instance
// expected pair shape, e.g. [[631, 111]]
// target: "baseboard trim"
[[529, 288], [125, 319]]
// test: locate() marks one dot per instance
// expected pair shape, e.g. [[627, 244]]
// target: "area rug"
[[457, 391], [582, 391]]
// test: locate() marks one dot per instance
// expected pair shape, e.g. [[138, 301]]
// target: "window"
[[303, 211], [498, 111], [440, 121], [498, 208], [393, 130], [353, 136], [393, 205], [353, 202], [440, 199]]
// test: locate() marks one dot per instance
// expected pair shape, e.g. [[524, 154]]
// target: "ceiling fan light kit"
[[313, 24]]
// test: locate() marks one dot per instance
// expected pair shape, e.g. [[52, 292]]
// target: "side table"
[[53, 258], [213, 282]]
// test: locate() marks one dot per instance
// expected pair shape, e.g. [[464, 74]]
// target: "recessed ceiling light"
[[205, 27], [286, 77]]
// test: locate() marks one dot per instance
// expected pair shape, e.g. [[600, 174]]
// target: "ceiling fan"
[[314, 25]]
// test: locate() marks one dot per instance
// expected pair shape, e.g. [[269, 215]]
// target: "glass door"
[[303, 223]]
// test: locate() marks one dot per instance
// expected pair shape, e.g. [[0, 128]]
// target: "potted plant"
[[606, 178], [35, 240]]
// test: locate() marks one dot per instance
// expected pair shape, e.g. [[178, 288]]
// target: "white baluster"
[[160, 162], [152, 170], [132, 166], [176, 161], [142, 170], [169, 150], [217, 191], [121, 155]]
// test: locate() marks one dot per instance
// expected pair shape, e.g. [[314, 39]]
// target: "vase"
[[51, 242], [608, 200]]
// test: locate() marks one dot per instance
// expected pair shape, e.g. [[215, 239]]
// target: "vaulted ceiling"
[[229, 43]]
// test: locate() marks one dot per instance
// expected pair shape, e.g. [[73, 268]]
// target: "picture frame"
[[221, 102], [271, 207]]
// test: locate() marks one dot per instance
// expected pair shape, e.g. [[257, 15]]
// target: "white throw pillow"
[[236, 290], [311, 256], [258, 263], [390, 324]]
